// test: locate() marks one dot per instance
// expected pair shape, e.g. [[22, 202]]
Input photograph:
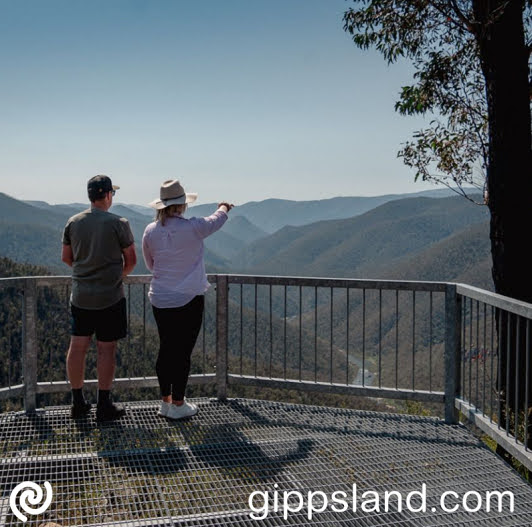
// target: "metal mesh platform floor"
[[146, 470]]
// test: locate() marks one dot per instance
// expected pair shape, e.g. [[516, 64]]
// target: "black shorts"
[[109, 324]]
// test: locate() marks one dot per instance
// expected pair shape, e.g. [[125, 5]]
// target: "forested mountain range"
[[367, 246], [398, 239], [359, 245], [274, 214]]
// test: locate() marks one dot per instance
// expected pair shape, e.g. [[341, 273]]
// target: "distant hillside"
[[224, 244], [15, 211], [70, 209], [242, 229], [365, 245], [140, 209], [214, 263], [131, 214], [9, 269], [32, 244], [356, 246], [274, 214], [464, 256], [233, 237]]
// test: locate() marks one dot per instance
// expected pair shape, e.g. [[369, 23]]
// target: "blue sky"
[[240, 100]]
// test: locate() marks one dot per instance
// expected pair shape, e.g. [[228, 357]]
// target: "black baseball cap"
[[99, 185]]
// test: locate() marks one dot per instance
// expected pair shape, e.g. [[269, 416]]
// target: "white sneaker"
[[179, 412], [163, 411]]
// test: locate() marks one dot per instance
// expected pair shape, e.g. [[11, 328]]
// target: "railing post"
[[222, 303], [29, 345], [453, 310]]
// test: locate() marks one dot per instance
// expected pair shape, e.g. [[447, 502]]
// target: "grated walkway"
[[146, 471]]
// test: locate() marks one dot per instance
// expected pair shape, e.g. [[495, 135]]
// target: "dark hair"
[[95, 195]]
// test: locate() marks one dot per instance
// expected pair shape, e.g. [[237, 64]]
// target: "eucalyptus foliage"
[[440, 38]]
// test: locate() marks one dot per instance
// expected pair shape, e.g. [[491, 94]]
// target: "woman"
[[173, 250]]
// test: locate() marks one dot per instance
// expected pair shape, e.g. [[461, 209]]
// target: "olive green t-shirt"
[[97, 239]]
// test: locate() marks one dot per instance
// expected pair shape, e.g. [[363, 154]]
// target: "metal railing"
[[495, 368], [431, 342], [352, 337]]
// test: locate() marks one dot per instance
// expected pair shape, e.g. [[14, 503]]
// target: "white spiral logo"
[[31, 496]]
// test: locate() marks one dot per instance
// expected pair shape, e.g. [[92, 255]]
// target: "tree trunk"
[[504, 56]]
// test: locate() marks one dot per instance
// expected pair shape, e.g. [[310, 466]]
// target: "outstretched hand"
[[229, 206]]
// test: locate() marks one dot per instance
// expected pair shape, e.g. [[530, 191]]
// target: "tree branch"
[[461, 22], [461, 16], [459, 190]]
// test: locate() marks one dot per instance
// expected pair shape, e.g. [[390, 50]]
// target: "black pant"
[[178, 330]]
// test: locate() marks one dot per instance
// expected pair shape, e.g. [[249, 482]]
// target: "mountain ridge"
[[365, 245], [340, 247]]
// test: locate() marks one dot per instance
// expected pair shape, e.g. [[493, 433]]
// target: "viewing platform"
[[145, 470], [298, 340]]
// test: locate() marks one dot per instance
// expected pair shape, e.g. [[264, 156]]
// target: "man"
[[99, 246]]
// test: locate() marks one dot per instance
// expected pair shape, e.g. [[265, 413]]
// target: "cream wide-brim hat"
[[172, 193]]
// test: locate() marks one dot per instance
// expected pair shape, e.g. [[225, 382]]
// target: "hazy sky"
[[238, 99]]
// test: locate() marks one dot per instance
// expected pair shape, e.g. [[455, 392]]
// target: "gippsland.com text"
[[312, 502]]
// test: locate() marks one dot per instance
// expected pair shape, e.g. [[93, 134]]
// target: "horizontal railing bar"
[[51, 281], [406, 285], [122, 383], [492, 429], [511, 305], [11, 391], [488, 297], [342, 389]]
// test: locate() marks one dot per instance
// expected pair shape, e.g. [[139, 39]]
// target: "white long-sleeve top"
[[174, 255]]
